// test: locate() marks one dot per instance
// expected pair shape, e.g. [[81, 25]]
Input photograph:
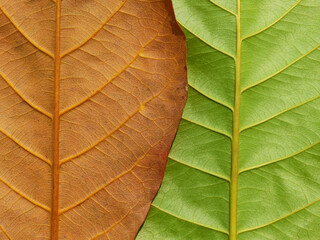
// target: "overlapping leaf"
[[111, 74], [278, 67]]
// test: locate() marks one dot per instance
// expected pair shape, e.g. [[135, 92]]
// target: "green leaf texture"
[[245, 164]]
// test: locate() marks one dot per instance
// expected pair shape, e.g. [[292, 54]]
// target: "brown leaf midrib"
[[56, 128]]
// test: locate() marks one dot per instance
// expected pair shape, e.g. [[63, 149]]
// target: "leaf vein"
[[280, 159], [211, 98], [25, 148], [24, 99], [109, 81], [204, 41], [115, 224], [207, 127], [190, 221], [25, 196], [281, 218], [116, 129], [200, 169], [96, 32], [223, 8], [5, 233], [279, 113], [274, 22], [106, 184], [26, 37], [281, 70]]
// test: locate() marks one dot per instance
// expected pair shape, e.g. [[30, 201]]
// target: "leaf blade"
[[112, 78], [278, 184]]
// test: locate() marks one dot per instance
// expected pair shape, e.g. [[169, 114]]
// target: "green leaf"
[[246, 159]]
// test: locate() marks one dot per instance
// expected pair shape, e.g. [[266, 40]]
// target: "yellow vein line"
[[273, 23], [19, 216], [211, 98], [28, 227], [96, 32], [280, 159], [281, 70], [63, 161], [24, 99], [115, 224], [281, 218], [25, 196], [200, 169], [102, 86], [5, 233], [26, 37], [209, 128], [107, 184], [275, 115], [210, 45], [235, 134], [25, 148], [114, 77], [190, 221], [223, 8], [68, 159]]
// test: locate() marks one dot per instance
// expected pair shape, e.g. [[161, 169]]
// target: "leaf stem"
[[56, 128], [235, 134]]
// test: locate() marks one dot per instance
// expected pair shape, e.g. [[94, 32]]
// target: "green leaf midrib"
[[233, 229]]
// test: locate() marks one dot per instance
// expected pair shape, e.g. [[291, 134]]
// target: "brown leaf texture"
[[92, 92]]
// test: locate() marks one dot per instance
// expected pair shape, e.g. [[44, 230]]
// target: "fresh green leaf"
[[254, 111]]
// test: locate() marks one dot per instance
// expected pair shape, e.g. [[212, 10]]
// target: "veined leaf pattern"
[[91, 96], [245, 161]]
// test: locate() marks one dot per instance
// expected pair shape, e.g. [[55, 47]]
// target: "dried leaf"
[[91, 95]]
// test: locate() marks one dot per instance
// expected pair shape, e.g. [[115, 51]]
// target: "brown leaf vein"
[[115, 224], [26, 149], [116, 129], [113, 78], [26, 37], [25, 196], [5, 233], [95, 33], [108, 183], [24, 99]]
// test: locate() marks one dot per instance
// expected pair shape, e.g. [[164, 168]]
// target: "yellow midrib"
[[235, 133], [56, 128]]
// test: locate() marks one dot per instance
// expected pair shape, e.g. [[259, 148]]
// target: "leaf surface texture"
[[253, 65], [91, 96]]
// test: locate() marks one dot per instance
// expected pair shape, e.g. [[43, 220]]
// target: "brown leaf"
[[92, 92]]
